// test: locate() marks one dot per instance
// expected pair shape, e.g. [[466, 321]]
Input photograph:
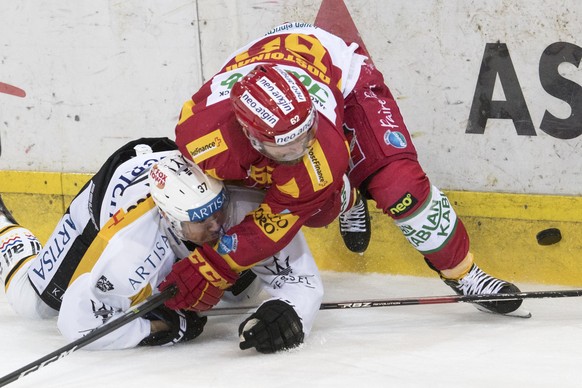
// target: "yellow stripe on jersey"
[[207, 146], [115, 224], [233, 264], [141, 295], [212, 173], [186, 112], [290, 188], [317, 167]]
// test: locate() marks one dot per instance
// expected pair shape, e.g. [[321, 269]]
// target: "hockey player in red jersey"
[[290, 112]]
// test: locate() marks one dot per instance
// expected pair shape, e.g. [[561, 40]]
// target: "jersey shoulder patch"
[[207, 146], [318, 167]]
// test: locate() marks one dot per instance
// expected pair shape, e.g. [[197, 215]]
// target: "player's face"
[[205, 232]]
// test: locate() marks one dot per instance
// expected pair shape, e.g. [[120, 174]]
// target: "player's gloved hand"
[[274, 326], [182, 326], [201, 279]]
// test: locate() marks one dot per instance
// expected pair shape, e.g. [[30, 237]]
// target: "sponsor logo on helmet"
[[158, 176], [227, 243], [258, 109], [276, 94], [203, 212], [292, 85], [300, 130]]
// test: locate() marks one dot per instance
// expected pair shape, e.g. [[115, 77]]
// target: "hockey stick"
[[355, 304], [135, 312]]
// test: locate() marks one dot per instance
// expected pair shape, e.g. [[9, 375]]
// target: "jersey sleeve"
[[211, 137], [82, 311], [132, 257]]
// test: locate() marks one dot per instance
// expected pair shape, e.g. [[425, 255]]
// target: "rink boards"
[[502, 228]]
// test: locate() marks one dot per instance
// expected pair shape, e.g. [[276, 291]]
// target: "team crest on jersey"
[[101, 310], [104, 285], [207, 146], [283, 274]]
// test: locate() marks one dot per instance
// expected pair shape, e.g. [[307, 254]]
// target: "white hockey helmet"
[[183, 192]]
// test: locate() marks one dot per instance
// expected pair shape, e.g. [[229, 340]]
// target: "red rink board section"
[[333, 16]]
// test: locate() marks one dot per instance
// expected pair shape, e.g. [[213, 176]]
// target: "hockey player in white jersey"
[[143, 210]]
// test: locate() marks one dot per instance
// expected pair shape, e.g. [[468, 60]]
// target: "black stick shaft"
[[130, 315], [451, 299], [416, 301]]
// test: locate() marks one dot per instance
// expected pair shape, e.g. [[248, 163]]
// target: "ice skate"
[[478, 282], [355, 226]]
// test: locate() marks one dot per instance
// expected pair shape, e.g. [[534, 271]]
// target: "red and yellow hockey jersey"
[[307, 193]]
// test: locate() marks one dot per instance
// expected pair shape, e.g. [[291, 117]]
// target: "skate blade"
[[519, 313]]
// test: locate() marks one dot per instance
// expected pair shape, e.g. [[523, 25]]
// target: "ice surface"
[[451, 345]]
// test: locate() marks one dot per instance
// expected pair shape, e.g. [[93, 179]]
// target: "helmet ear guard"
[[183, 192]]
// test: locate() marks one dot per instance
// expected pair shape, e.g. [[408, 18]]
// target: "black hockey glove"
[[184, 326], [274, 326]]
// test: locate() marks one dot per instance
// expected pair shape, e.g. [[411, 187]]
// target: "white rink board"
[[98, 74]]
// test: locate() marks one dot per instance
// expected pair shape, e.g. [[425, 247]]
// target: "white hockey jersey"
[[96, 266], [138, 258]]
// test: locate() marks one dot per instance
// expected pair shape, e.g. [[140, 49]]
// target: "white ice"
[[448, 345]]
